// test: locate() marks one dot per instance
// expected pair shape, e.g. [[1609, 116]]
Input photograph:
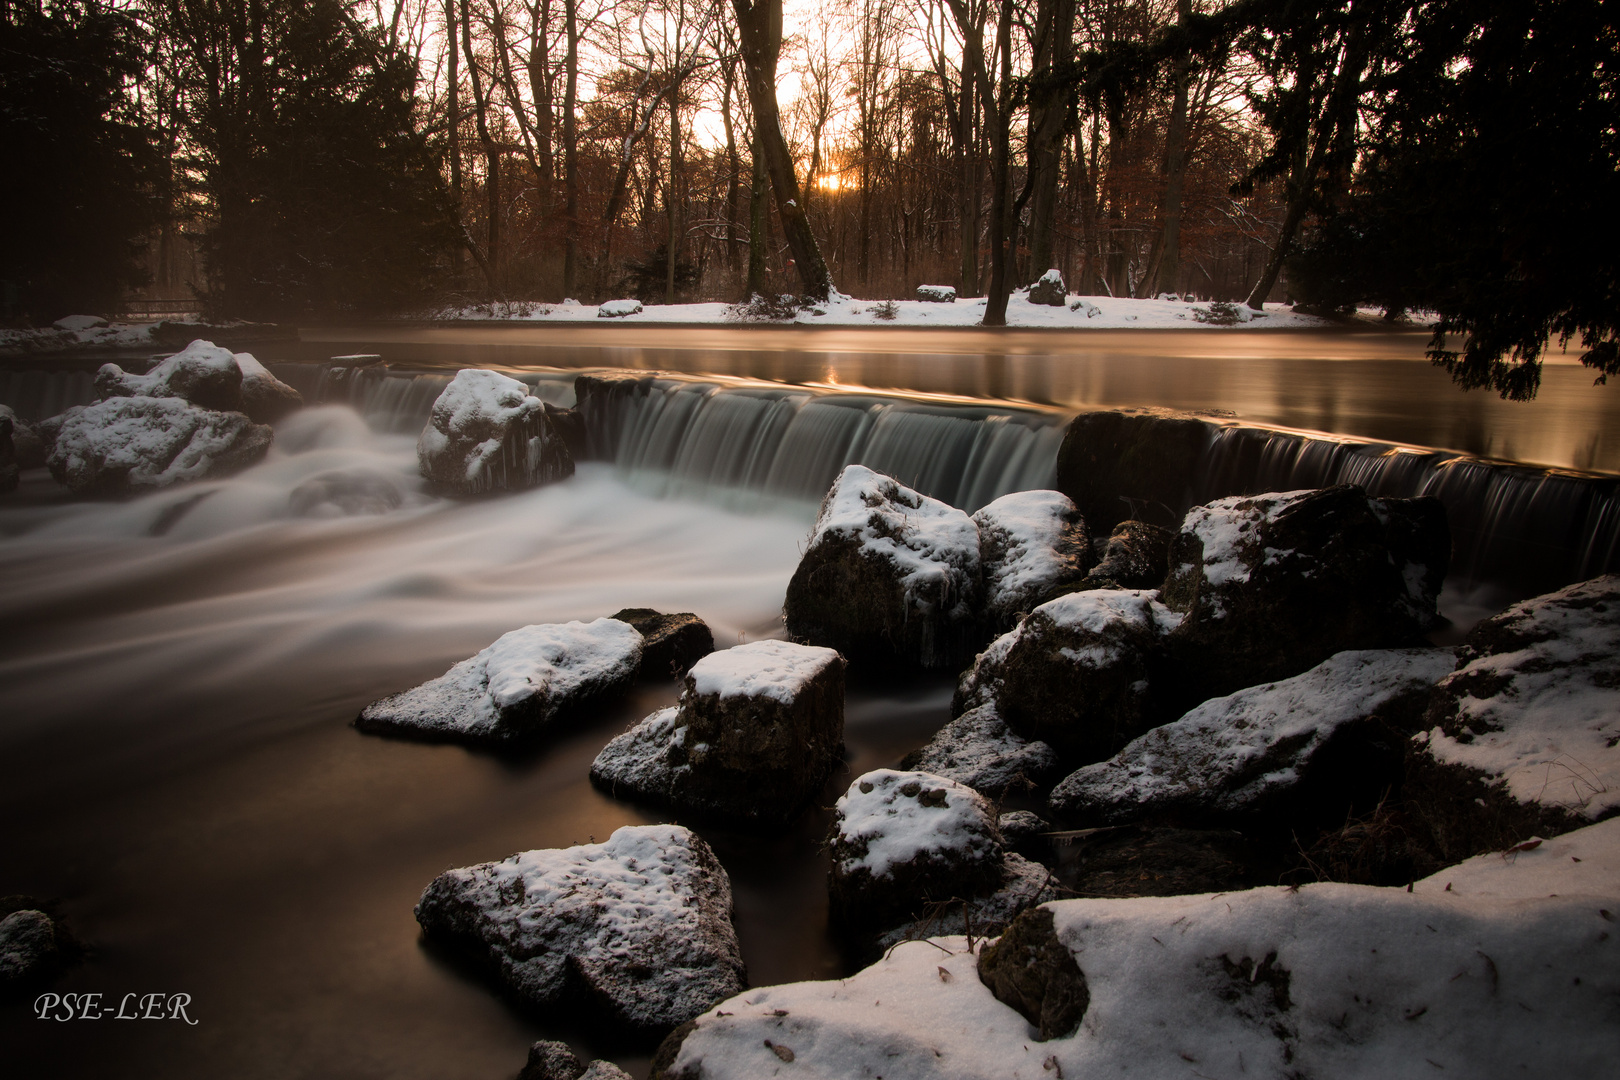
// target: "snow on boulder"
[[937, 294], [1524, 736], [901, 840], [890, 576], [265, 398], [518, 688], [488, 433], [1078, 673], [124, 444], [758, 730], [201, 373], [1032, 545], [77, 323], [1050, 290], [670, 644], [1272, 585], [978, 749], [618, 309], [1491, 978], [1085, 307], [1135, 556], [1311, 740], [635, 931]]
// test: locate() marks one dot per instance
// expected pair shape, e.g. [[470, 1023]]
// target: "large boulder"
[[901, 840], [1523, 737], [1141, 464], [201, 373], [1032, 546], [979, 749], [758, 730], [516, 690], [1079, 673], [937, 294], [1050, 289], [488, 433], [1269, 586], [1314, 741], [635, 931], [670, 644], [890, 576], [124, 444], [265, 398]]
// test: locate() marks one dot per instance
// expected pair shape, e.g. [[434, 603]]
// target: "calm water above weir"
[[178, 671]]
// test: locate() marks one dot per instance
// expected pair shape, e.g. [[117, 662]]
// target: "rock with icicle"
[[1271, 585], [670, 644], [758, 730], [1079, 673], [1033, 546], [1523, 738], [979, 749], [1309, 746], [127, 444], [635, 933], [518, 689], [890, 577], [903, 840], [1050, 289], [487, 433]]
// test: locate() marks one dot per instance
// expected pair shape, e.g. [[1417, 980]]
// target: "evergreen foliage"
[[1489, 191], [322, 197], [76, 186]]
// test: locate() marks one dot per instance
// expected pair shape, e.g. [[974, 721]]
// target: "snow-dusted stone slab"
[[1524, 737], [903, 839], [618, 309], [1303, 741], [1050, 289], [488, 433], [937, 294], [757, 732], [1136, 556], [636, 930], [1272, 585], [1032, 544], [516, 689], [889, 576], [124, 444], [1078, 673], [1491, 979], [979, 749]]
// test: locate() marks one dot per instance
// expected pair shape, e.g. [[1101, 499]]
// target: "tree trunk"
[[760, 25], [492, 158], [1049, 117], [758, 224], [733, 169], [674, 197], [570, 135], [540, 91], [1175, 170], [453, 120], [968, 176]]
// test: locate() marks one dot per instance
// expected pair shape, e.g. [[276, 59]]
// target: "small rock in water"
[[518, 688], [978, 749], [636, 931], [670, 644], [488, 433], [758, 730], [1135, 556]]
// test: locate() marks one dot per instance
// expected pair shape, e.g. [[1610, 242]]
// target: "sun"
[[832, 182]]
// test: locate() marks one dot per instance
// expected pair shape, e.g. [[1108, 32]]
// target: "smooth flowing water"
[[179, 671]]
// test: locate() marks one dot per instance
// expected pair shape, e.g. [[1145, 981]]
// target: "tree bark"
[[570, 135], [1049, 118], [1175, 169], [673, 248], [759, 23], [492, 157]]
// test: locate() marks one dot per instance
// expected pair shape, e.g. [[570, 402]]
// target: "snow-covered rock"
[[757, 732], [978, 749], [1078, 673], [889, 576], [1135, 556], [265, 398], [201, 373], [1050, 289], [670, 644], [1310, 740], [937, 294], [1524, 736], [618, 309], [636, 931], [488, 433], [122, 444], [1031, 545], [902, 839], [1085, 307], [28, 949], [516, 689], [1272, 585], [1489, 978], [76, 323]]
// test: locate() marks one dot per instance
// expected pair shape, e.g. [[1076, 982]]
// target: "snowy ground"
[[1109, 313]]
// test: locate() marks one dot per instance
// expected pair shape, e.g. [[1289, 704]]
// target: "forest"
[[328, 159]]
